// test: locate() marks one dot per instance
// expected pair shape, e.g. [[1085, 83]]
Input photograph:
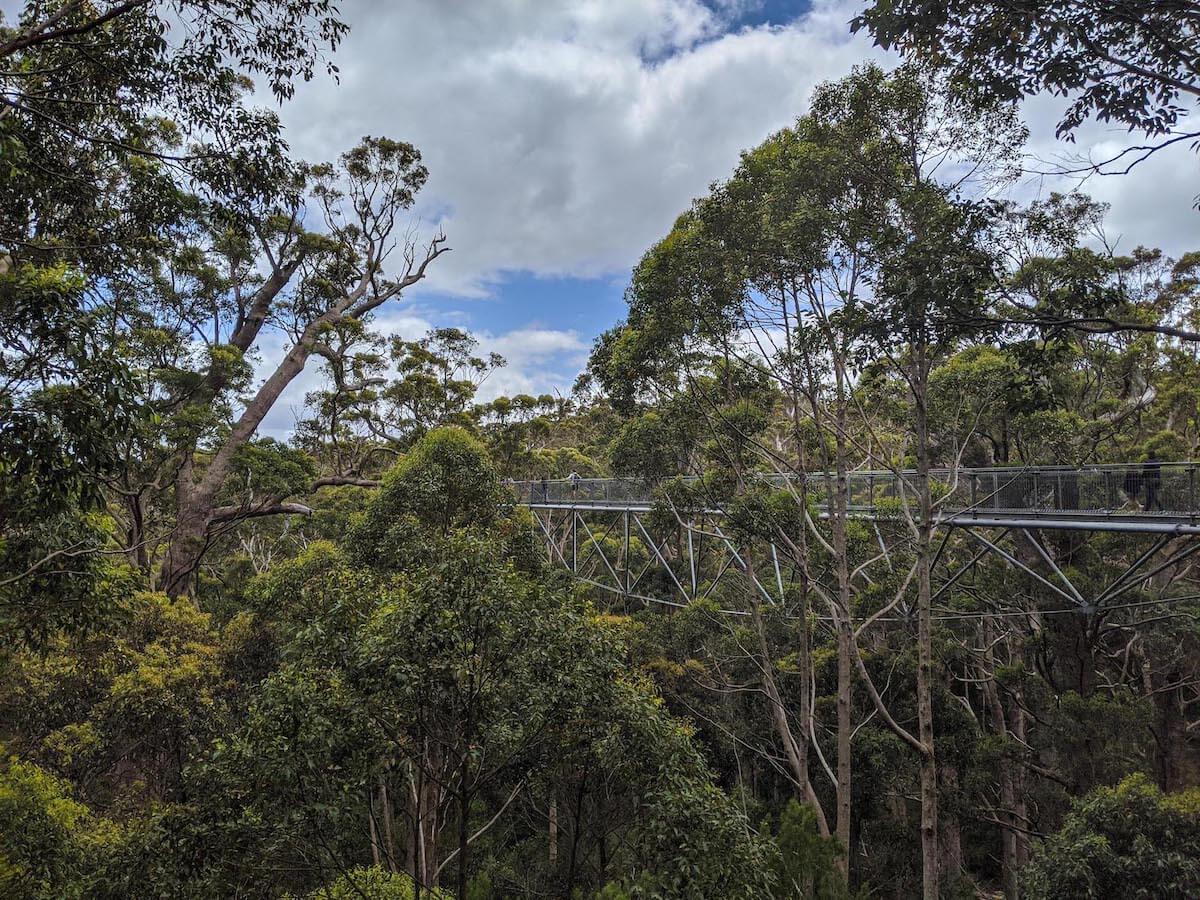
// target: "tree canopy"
[[770, 658]]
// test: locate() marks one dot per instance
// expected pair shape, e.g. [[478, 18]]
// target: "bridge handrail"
[[1141, 489]]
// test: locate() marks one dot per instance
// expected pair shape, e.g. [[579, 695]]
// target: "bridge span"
[[600, 528]]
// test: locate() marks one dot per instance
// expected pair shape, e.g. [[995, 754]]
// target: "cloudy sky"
[[563, 138]]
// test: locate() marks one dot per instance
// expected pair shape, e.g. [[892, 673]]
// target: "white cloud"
[[1152, 205], [540, 361], [564, 137], [533, 344]]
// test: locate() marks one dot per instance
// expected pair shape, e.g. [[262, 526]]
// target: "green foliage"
[[67, 395], [54, 577], [121, 711], [451, 659], [404, 659], [293, 775], [1128, 841], [806, 863], [649, 447], [445, 482], [66, 399], [611, 891], [1114, 66], [765, 512], [371, 883], [721, 859], [47, 839], [1106, 737], [267, 468]]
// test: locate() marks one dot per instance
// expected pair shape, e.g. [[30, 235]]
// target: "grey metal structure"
[[597, 528]]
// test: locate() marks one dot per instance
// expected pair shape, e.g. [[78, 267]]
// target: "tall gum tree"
[[115, 119], [934, 269], [836, 242], [316, 282]]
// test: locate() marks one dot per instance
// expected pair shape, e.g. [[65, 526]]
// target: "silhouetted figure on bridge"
[[1152, 481]]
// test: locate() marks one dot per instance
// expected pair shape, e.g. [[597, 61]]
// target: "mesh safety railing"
[[1166, 489]]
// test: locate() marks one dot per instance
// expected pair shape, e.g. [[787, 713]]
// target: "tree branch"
[[236, 513], [334, 480]]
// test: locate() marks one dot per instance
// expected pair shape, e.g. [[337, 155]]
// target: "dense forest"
[[347, 665]]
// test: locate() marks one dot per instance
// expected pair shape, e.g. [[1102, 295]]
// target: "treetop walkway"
[[598, 527], [1155, 497]]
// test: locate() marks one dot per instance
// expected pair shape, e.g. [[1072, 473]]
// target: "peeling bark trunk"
[[577, 824], [929, 806], [845, 727], [1009, 857], [1016, 725], [424, 804], [845, 643], [463, 844], [950, 838], [195, 502], [783, 728], [136, 533], [388, 824], [373, 828]]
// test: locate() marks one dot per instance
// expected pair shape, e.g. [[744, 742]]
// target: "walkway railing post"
[[625, 518], [974, 494], [691, 560], [1192, 492]]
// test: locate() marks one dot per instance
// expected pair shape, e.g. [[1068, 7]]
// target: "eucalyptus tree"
[[729, 295], [363, 417], [115, 118], [1118, 61], [934, 266], [210, 310], [438, 677], [841, 240], [87, 87]]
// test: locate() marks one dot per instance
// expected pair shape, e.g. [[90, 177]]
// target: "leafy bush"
[[1131, 841], [371, 883], [43, 834], [806, 863]]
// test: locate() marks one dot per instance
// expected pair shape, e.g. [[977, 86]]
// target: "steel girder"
[[610, 547]]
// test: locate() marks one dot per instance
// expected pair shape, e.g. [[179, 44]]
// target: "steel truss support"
[[585, 548], [612, 549], [1136, 573]]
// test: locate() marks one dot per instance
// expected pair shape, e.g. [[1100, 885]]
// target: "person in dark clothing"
[[1152, 481]]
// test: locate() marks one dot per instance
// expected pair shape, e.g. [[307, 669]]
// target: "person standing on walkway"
[[1152, 481]]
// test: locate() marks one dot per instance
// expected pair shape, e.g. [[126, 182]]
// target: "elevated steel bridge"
[[598, 527]]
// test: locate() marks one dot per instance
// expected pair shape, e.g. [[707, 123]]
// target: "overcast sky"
[[563, 139]]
